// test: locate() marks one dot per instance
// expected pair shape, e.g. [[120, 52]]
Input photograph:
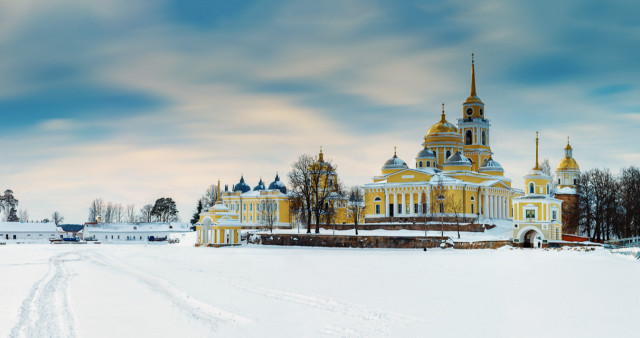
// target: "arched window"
[[575, 181], [558, 181], [468, 137], [531, 188], [473, 198], [448, 153], [469, 111], [428, 164], [420, 164], [377, 199], [484, 138]]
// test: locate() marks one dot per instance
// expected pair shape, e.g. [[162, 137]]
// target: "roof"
[[27, 227], [566, 191], [568, 163], [425, 153], [394, 163], [72, 227], [131, 227]]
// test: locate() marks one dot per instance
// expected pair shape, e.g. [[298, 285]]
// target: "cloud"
[[134, 101]]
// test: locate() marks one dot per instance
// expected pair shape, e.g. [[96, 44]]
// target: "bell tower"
[[474, 127]]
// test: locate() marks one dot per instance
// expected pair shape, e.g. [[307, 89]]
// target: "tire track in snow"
[[376, 322], [204, 313], [46, 311]]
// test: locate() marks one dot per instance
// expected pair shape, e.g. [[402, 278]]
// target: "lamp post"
[[441, 199]]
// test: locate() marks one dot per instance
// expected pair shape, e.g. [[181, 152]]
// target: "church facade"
[[455, 174]]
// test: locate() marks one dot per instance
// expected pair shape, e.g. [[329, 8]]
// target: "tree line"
[[163, 210], [608, 205]]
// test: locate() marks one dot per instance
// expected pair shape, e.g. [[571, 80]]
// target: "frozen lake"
[[168, 290]]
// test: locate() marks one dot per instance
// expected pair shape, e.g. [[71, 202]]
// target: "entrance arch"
[[530, 237]]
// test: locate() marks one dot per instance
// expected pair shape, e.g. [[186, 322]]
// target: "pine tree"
[[196, 215], [13, 215]]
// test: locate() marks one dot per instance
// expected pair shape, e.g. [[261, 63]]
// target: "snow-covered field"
[[182, 291]]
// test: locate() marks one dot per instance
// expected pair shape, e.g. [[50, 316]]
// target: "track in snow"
[[46, 311], [204, 313]]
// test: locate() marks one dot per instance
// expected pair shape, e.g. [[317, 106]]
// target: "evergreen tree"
[[165, 210], [196, 215], [13, 215]]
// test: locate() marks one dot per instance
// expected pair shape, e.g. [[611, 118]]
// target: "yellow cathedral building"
[[455, 174]]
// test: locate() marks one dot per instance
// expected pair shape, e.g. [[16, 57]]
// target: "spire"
[[537, 167], [473, 77], [442, 118], [394, 151], [320, 157], [218, 200]]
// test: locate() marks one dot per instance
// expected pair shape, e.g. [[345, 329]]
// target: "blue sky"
[[131, 101]]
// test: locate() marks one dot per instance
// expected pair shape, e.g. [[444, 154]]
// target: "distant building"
[[568, 174], [132, 232], [537, 214], [27, 232], [71, 230]]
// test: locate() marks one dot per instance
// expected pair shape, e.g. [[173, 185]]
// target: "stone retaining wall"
[[407, 226]]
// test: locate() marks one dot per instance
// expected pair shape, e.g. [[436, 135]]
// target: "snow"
[[27, 227], [251, 291], [566, 191], [502, 231]]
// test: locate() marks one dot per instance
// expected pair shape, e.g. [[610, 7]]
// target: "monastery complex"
[[456, 175]]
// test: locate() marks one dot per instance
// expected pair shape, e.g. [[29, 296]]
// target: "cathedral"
[[455, 174]]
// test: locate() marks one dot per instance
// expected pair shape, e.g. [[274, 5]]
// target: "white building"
[[27, 232], [133, 232]]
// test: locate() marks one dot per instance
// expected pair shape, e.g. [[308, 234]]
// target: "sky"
[[130, 101]]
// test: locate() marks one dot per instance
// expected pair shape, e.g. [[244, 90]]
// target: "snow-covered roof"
[[566, 191], [27, 227], [126, 227]]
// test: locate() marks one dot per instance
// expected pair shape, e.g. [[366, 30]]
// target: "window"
[[554, 215], [399, 209], [484, 138], [468, 137], [472, 208], [415, 207], [530, 214], [448, 153], [111, 236], [428, 164], [250, 207], [558, 181], [118, 236], [377, 209], [420, 164], [548, 192], [575, 181], [481, 111], [377, 199], [441, 207], [106, 237], [531, 188], [469, 111]]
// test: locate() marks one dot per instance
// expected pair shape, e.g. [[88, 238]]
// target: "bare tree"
[[439, 197], [323, 187], [300, 178], [96, 209], [57, 218], [118, 213], [268, 211], [131, 213], [23, 214], [210, 196], [296, 209], [356, 205], [455, 207], [545, 167], [145, 213]]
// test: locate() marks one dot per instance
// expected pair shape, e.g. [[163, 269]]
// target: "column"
[[386, 204], [502, 207], [411, 208], [485, 204], [419, 211], [404, 204]]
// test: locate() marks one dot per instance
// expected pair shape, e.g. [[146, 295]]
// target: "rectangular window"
[[399, 209], [377, 209], [472, 208], [531, 214], [554, 215], [415, 207]]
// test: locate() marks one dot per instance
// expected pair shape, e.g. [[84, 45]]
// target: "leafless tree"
[[545, 167], [96, 209], [23, 214], [210, 196], [300, 179], [356, 205], [57, 218], [145, 213], [268, 211], [439, 197], [455, 208], [323, 186], [131, 213]]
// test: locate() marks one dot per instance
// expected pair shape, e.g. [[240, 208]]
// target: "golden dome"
[[568, 163], [443, 126], [568, 147]]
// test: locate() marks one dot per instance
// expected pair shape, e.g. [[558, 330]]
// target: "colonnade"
[[399, 197], [495, 206]]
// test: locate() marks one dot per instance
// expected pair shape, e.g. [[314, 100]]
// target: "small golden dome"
[[568, 147], [568, 163]]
